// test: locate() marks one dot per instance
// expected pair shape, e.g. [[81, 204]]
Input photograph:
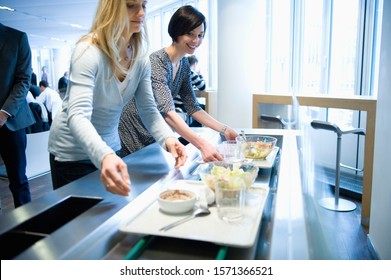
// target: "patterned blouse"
[[133, 133]]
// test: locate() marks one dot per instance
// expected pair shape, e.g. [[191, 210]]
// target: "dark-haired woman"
[[171, 77]]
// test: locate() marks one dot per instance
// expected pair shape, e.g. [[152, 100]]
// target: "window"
[[310, 46], [40, 58], [317, 46], [320, 47]]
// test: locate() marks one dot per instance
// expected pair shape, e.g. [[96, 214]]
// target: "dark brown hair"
[[184, 20]]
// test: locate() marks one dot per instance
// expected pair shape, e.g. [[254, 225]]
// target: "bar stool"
[[278, 120], [275, 119], [336, 203]]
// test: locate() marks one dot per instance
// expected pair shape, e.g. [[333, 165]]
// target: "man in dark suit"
[[15, 113], [33, 78], [63, 84]]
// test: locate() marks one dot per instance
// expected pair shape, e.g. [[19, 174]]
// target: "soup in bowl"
[[176, 201]]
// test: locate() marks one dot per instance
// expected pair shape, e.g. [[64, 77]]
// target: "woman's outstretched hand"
[[114, 175], [177, 150], [230, 134]]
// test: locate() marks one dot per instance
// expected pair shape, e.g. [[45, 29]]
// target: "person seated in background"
[[33, 77], [40, 115], [30, 97], [41, 118], [63, 84], [197, 80], [34, 89], [50, 98]]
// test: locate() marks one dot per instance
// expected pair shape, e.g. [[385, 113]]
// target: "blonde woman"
[[109, 67]]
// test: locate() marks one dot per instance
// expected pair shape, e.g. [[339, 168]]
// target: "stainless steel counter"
[[81, 220]]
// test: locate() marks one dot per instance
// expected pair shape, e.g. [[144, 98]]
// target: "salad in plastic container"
[[232, 174], [256, 147]]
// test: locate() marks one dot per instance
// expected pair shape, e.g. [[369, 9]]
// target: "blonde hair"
[[110, 23]]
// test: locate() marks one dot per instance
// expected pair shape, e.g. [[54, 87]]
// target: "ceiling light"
[[76, 25], [7, 9]]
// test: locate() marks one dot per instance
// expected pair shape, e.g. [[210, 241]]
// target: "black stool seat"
[[337, 204], [333, 127], [276, 119]]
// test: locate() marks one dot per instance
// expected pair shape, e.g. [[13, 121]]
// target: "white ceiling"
[[48, 23]]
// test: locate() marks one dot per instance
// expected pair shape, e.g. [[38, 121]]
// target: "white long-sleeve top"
[[87, 125], [51, 99]]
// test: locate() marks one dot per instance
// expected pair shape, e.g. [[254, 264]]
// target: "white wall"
[[380, 219], [238, 63], [61, 58], [37, 154]]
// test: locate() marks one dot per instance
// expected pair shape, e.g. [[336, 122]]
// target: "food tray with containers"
[[152, 218], [146, 217]]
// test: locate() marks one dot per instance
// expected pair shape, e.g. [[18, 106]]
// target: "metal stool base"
[[342, 206]]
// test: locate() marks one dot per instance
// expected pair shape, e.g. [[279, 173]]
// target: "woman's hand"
[[114, 175], [177, 150], [210, 153], [230, 134]]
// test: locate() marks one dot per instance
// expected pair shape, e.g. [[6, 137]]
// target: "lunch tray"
[[144, 217]]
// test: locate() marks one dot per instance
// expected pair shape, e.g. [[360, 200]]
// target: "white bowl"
[[176, 201]]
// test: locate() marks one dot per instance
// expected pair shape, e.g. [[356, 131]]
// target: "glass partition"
[[318, 157]]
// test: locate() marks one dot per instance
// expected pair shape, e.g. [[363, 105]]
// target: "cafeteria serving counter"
[[81, 220]]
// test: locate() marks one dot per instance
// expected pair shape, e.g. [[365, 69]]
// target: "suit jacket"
[[33, 79], [62, 83], [15, 76], [40, 125]]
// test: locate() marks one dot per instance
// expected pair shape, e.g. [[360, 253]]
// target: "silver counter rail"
[[81, 220]]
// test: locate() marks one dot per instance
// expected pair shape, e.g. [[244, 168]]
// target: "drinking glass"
[[230, 199], [230, 151]]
